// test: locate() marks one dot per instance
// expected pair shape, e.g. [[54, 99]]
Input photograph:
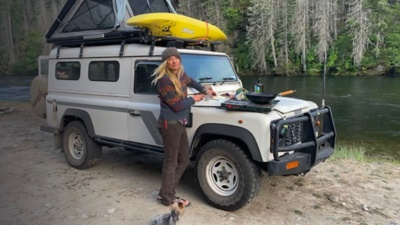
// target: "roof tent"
[[101, 21]]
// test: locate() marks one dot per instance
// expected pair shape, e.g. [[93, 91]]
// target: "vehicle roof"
[[118, 50]]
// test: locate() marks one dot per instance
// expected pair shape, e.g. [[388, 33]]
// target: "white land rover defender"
[[102, 96]]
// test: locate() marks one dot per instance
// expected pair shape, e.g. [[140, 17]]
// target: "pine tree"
[[360, 29], [261, 33], [300, 30]]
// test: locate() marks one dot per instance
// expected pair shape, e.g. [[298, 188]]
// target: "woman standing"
[[172, 82]]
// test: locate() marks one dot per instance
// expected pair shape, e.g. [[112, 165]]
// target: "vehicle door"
[[144, 105]]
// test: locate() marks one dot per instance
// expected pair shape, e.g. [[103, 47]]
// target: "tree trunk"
[[305, 36], [334, 18], [272, 22], [9, 34], [300, 31], [25, 22], [359, 27], [322, 27], [273, 51]]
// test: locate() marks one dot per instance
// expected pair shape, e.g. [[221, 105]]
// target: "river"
[[15, 88], [366, 109]]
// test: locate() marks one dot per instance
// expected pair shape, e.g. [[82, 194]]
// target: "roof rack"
[[142, 36], [100, 39]]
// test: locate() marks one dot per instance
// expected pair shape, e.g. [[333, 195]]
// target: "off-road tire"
[[80, 150], [227, 177]]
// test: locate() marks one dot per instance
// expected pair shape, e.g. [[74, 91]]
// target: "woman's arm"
[[169, 96], [206, 90]]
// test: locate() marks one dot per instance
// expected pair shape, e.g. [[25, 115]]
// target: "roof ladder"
[[81, 50], [58, 51], [151, 52], [121, 50]]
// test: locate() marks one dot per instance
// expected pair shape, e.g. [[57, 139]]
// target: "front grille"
[[291, 134], [294, 134]]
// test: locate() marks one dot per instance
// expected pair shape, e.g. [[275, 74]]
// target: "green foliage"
[[340, 56], [242, 59], [332, 57], [391, 53], [16, 23], [357, 153], [27, 62], [314, 66], [234, 17], [350, 152], [3, 63], [382, 16], [369, 61]]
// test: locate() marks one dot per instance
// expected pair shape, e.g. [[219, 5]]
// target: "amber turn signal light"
[[291, 165]]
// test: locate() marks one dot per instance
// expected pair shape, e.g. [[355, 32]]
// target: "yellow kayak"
[[179, 26]]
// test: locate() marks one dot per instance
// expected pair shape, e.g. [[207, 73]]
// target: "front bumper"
[[299, 158]]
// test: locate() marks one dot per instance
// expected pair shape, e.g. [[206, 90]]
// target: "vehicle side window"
[[143, 78], [68, 70], [104, 71]]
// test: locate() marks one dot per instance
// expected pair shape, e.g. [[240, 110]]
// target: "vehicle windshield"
[[208, 68]]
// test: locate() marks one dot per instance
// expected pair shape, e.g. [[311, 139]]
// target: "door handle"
[[134, 112]]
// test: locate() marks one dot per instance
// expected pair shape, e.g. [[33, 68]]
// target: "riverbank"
[[353, 101], [38, 187]]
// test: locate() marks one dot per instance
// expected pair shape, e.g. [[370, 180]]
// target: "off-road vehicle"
[[102, 95]]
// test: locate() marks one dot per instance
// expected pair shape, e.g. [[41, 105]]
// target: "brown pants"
[[176, 159]]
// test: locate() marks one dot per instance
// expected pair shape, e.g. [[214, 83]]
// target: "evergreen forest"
[[270, 37]]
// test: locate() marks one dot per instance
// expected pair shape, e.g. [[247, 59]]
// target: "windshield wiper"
[[201, 79], [227, 79]]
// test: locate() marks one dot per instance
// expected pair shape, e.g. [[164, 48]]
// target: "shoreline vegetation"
[[342, 151], [346, 37], [357, 153], [366, 73]]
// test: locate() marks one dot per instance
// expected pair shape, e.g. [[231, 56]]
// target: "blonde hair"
[[163, 70]]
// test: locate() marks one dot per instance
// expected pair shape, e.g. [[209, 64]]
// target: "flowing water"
[[15, 88], [366, 109]]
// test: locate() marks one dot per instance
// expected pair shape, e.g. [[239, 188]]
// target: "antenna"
[[324, 83]]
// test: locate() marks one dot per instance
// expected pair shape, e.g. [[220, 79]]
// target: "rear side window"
[[68, 70], [104, 71], [143, 78]]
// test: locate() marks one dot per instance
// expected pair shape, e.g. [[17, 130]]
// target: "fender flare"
[[229, 131], [84, 116]]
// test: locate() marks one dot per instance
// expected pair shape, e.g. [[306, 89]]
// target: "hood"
[[287, 105], [221, 89]]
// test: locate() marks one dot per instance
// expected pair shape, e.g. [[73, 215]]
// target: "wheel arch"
[[239, 135], [79, 114]]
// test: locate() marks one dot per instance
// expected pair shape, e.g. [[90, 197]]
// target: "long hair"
[[163, 70]]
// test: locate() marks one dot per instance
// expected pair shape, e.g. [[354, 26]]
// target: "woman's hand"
[[211, 93], [198, 97]]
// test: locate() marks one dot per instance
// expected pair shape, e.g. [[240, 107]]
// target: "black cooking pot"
[[260, 98], [263, 98]]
